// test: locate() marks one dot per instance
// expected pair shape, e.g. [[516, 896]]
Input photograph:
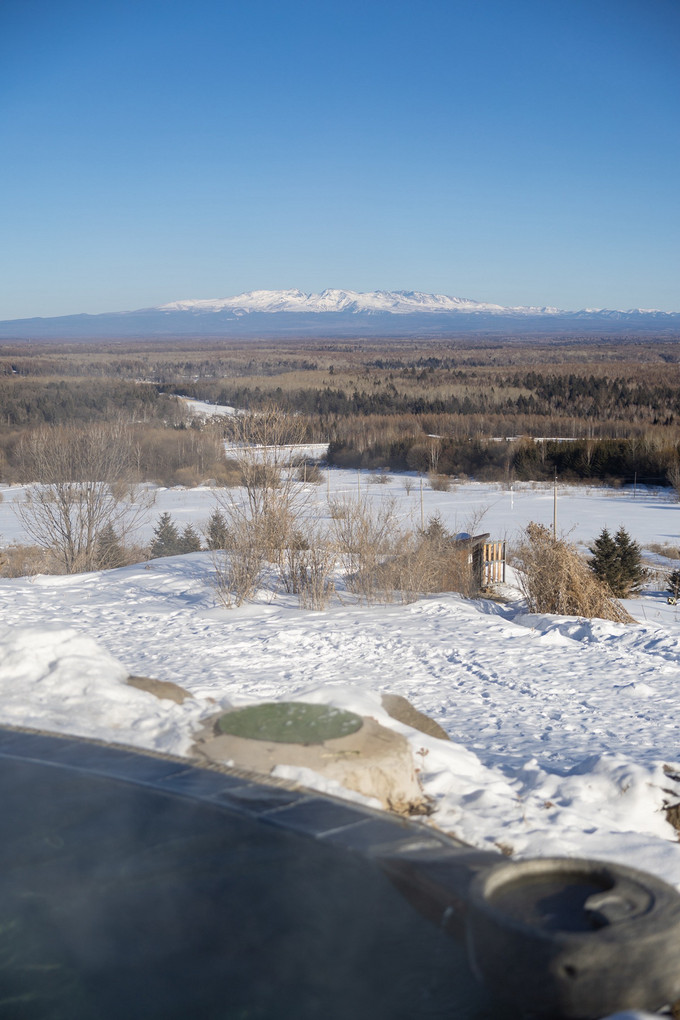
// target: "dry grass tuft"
[[671, 552], [554, 579], [440, 483], [315, 573], [238, 570], [365, 536], [429, 563], [27, 560], [310, 473]]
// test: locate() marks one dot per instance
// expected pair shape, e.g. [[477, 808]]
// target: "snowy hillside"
[[565, 735]]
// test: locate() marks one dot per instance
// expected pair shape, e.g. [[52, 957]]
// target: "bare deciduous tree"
[[366, 536], [266, 446], [264, 514], [239, 569], [79, 488], [673, 475], [310, 561], [435, 453]]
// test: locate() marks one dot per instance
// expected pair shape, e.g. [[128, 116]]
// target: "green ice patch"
[[289, 722]]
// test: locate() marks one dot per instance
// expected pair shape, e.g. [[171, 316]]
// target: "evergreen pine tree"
[[109, 552], [673, 584], [166, 541], [618, 562], [605, 561], [190, 540], [435, 531], [217, 532], [631, 572]]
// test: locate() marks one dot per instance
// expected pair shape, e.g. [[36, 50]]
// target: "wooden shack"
[[486, 558]]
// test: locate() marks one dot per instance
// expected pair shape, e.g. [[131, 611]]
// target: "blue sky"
[[516, 151]]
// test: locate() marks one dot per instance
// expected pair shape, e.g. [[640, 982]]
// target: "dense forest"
[[584, 410]]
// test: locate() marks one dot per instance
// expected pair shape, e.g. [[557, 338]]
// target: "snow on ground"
[[297, 452], [204, 410], [582, 511], [560, 728], [199, 408]]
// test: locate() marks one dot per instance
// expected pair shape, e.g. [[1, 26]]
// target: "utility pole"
[[555, 507], [422, 511]]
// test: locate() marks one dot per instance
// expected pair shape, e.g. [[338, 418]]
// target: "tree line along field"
[[446, 407]]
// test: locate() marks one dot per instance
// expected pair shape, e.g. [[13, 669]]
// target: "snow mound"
[[55, 678]]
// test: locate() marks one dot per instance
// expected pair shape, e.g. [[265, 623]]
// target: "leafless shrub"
[[432, 561], [366, 536], [408, 486], [263, 521], [293, 559], [27, 560], [408, 573], [315, 573], [657, 576], [383, 560], [473, 522], [453, 570], [227, 474], [555, 579], [274, 499], [81, 487], [172, 456], [673, 476], [266, 477], [134, 552], [310, 474], [238, 570], [440, 483], [18, 560], [380, 478], [671, 552], [338, 509], [264, 447], [189, 477]]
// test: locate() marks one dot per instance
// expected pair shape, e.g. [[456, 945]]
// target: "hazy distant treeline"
[[441, 407]]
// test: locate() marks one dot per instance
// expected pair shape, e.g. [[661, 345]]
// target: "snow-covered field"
[[563, 731]]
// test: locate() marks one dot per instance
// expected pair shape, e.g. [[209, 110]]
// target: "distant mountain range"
[[341, 313]]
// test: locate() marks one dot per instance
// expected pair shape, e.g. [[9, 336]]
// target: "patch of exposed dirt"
[[159, 688], [403, 711]]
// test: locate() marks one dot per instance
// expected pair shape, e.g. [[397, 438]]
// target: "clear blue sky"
[[517, 151]]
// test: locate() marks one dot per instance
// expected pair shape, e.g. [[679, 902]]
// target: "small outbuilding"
[[486, 558]]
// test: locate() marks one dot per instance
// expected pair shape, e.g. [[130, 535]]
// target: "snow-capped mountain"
[[342, 313], [399, 302]]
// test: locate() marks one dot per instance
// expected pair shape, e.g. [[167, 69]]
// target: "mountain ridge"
[[336, 312]]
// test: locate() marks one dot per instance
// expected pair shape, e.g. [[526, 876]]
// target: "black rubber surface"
[[134, 887]]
